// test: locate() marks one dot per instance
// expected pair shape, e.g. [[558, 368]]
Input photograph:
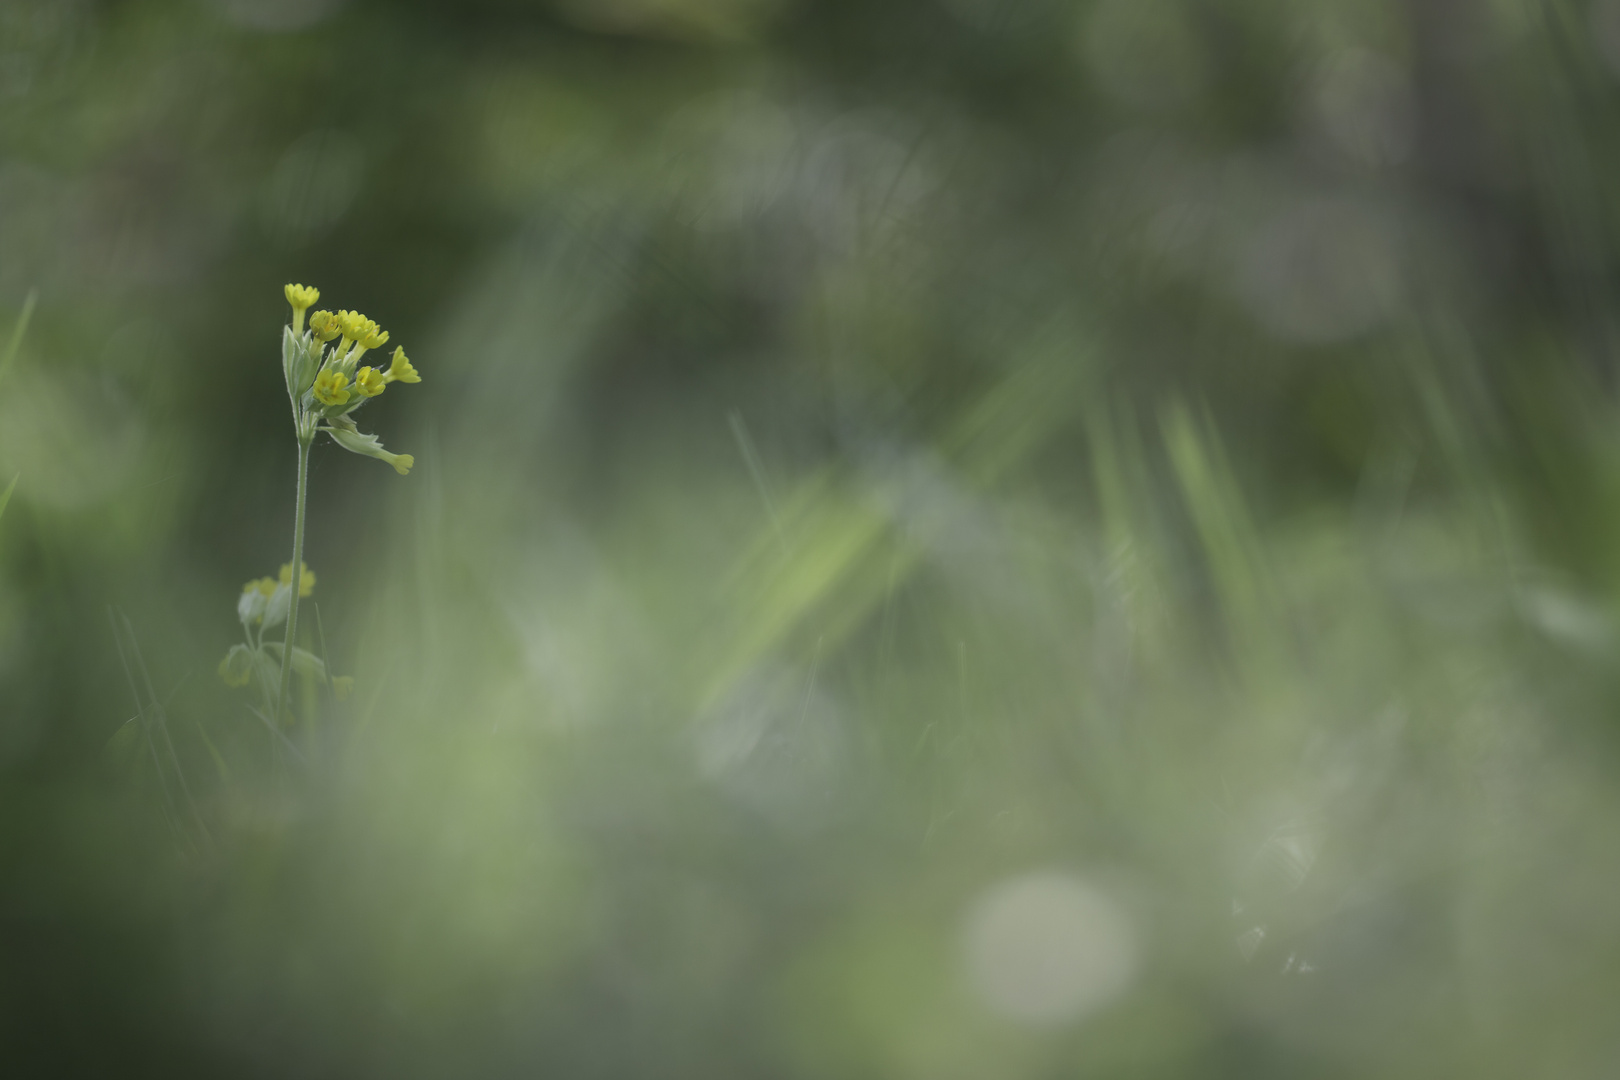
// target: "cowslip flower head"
[[329, 387], [326, 382]]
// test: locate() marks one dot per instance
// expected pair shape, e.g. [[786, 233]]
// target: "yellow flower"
[[369, 381], [265, 585], [301, 297], [325, 325], [401, 370], [329, 386], [401, 462], [371, 336], [353, 325], [306, 580]]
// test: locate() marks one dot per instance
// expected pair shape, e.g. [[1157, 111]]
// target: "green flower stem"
[[297, 578]]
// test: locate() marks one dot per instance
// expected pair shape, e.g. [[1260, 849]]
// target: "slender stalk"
[[297, 580]]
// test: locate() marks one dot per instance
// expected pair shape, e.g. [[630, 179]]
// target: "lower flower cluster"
[[263, 606]]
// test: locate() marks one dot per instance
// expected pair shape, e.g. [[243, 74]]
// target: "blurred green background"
[[950, 539]]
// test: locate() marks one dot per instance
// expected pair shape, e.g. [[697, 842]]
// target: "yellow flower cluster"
[[327, 382], [359, 336], [266, 603]]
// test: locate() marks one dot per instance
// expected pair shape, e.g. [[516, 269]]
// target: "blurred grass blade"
[[17, 333], [6, 498]]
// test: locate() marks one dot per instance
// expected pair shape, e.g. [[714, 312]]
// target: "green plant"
[[326, 386]]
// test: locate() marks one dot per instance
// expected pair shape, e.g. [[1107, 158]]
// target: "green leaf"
[[289, 357], [345, 434]]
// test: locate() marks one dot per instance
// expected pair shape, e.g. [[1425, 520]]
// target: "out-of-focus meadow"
[[949, 539]]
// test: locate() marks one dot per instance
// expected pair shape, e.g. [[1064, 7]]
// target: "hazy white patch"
[[277, 16], [1288, 855], [1248, 942], [578, 627], [957, 528], [1322, 270], [1567, 618], [935, 508], [312, 186], [1046, 948], [1145, 53], [1362, 104], [777, 744], [1296, 965]]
